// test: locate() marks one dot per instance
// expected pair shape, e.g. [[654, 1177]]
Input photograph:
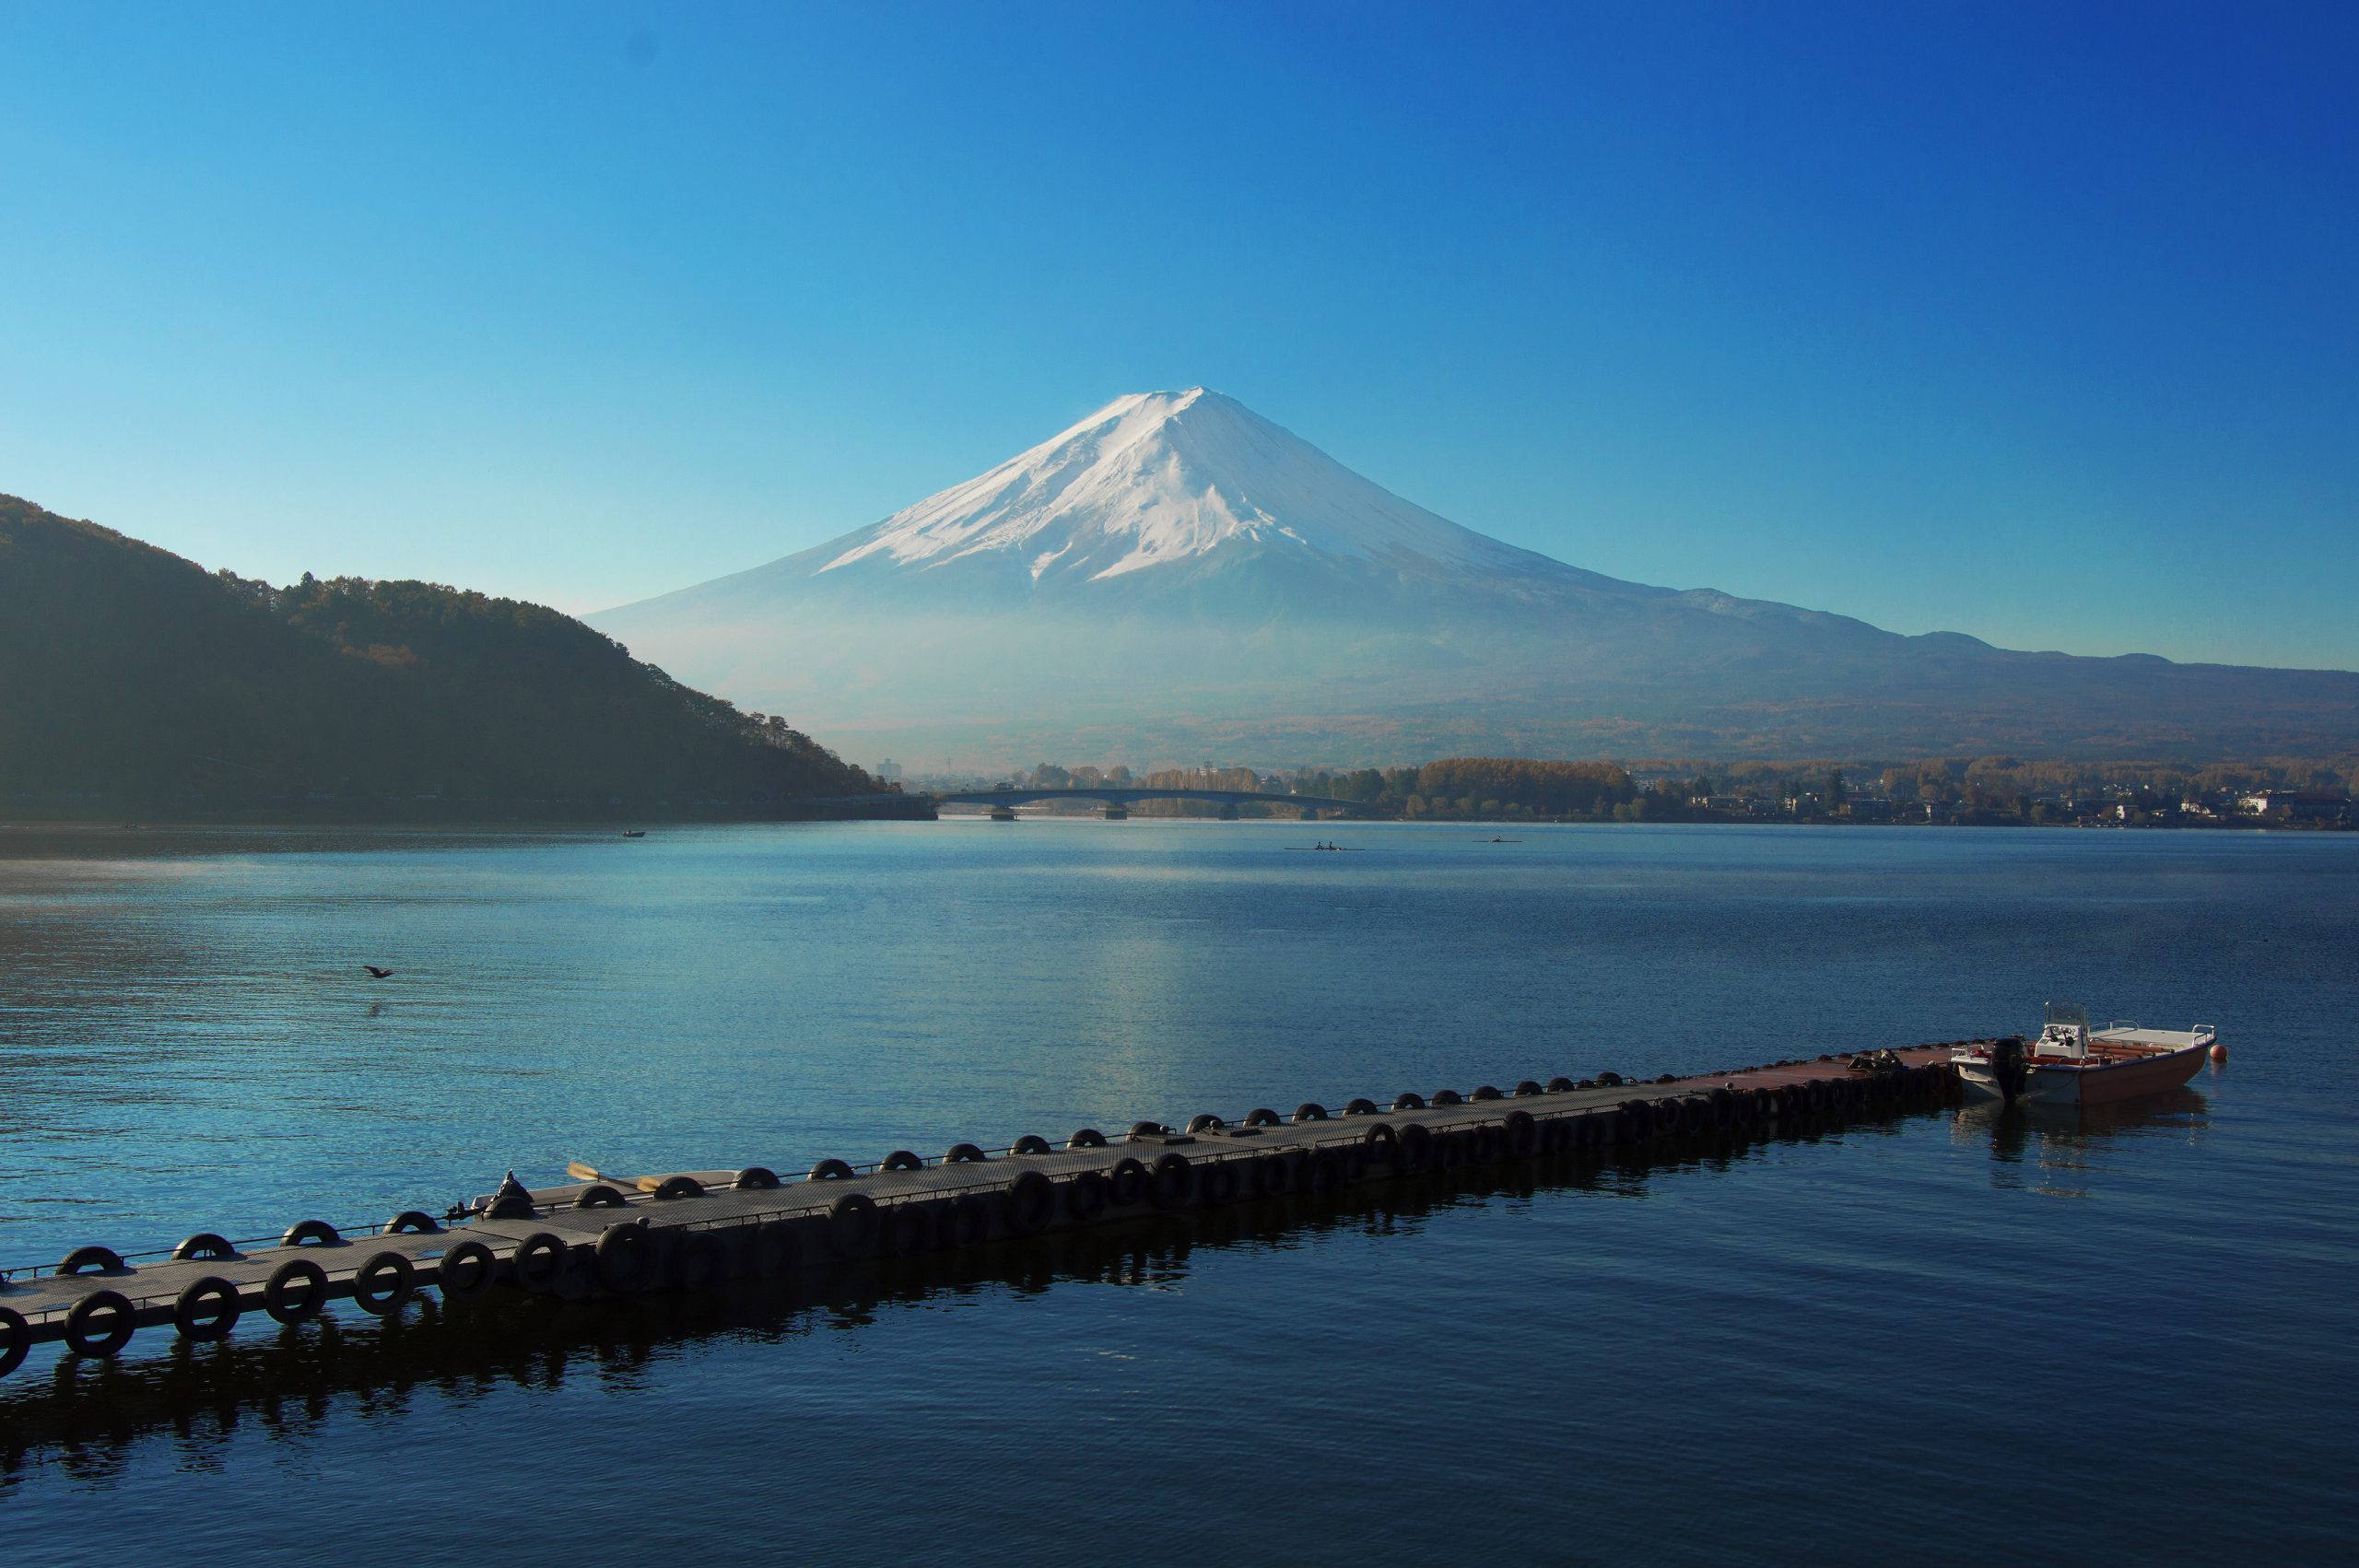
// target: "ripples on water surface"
[[1952, 1336]]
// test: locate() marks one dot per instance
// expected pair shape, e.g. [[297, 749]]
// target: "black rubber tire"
[[903, 1160], [910, 1229], [310, 1232], [1206, 1122], [776, 1250], [1486, 1147], [1560, 1085], [1416, 1147], [385, 1282], [1522, 1134], [296, 1292], [1611, 1080], [1323, 1172], [467, 1270], [207, 1309], [540, 1262], [1381, 1142], [1554, 1137], [1408, 1102], [1351, 1165], [413, 1222], [1031, 1144], [118, 1312], [1147, 1129], [1360, 1107], [756, 1178], [964, 1154], [105, 1259], [1671, 1117], [1486, 1094], [852, 1225], [831, 1170], [967, 1221], [1449, 1097], [1126, 1184], [1173, 1185], [598, 1195], [1085, 1194], [696, 1260], [16, 1340], [203, 1244], [1088, 1138], [679, 1186], [1308, 1111], [1029, 1203], [626, 1257], [1218, 1187], [1528, 1088], [1273, 1175], [1263, 1116], [1450, 1150]]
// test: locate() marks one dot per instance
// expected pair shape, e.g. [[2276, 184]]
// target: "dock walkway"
[[693, 1230]]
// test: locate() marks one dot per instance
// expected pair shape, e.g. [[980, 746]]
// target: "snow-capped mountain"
[[1158, 480], [1174, 577]]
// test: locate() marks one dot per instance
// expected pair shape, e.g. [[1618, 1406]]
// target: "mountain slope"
[[133, 679], [1174, 576]]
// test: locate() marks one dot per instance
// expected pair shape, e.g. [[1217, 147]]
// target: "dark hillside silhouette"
[[133, 680]]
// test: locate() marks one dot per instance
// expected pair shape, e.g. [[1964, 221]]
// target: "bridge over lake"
[[1115, 800]]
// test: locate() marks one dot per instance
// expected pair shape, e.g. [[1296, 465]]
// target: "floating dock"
[[698, 1229]]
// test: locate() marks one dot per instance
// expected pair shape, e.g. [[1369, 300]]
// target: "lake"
[[1954, 1335]]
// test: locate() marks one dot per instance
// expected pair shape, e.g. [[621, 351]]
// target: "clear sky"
[[2035, 322]]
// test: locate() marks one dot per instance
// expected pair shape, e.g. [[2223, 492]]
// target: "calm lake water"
[[1952, 1335]]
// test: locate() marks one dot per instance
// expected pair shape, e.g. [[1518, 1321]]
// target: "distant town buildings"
[[2296, 805]]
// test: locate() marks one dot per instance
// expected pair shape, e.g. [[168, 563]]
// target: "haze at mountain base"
[[1176, 577]]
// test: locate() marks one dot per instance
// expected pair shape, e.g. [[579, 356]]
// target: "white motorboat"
[[2071, 1064]]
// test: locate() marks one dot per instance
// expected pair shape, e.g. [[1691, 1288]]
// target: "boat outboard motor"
[[2008, 1068]]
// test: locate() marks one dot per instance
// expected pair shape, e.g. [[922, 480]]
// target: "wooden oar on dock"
[[581, 1172]]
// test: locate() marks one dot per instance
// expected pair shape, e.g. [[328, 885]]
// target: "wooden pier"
[[697, 1230]]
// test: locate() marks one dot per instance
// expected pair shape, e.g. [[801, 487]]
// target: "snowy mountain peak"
[[1154, 479]]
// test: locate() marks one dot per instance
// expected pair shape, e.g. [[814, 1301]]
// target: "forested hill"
[[133, 681]]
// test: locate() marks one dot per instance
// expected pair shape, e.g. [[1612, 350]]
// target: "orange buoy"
[[2219, 1053]]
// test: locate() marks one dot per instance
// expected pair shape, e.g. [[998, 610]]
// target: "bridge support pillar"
[[1310, 813], [1116, 814], [1229, 813], [1002, 813]]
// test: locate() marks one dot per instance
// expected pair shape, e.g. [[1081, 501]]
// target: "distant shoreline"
[[119, 817]]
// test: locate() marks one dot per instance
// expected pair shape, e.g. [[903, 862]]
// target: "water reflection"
[[2043, 1148], [87, 1417]]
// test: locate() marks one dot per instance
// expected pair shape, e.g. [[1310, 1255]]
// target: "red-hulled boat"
[[2071, 1064]]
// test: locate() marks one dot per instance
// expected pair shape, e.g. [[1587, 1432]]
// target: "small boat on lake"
[[633, 833], [2071, 1064]]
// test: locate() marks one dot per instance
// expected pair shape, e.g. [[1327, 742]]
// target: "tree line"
[[133, 680]]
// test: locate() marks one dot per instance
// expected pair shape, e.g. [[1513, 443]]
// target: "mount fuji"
[[1176, 577]]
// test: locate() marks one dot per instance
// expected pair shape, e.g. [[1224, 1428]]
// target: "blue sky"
[[2037, 322]]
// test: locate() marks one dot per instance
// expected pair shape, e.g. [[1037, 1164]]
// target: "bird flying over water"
[[377, 974]]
